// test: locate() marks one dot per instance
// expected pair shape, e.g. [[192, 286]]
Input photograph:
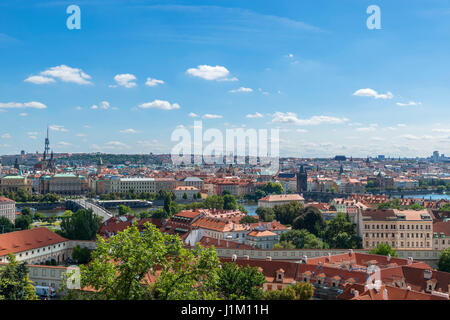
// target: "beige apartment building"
[[441, 235], [66, 184], [401, 229]]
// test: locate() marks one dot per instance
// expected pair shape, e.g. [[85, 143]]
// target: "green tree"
[[273, 188], [444, 260], [284, 245], [248, 219], [26, 212], [236, 282], [124, 210], [384, 249], [23, 222], [14, 281], [121, 265], [311, 219], [81, 225], [6, 225], [213, 202], [229, 202], [303, 290], [185, 196], [81, 255], [286, 213], [302, 239], [265, 214], [340, 233], [446, 207]]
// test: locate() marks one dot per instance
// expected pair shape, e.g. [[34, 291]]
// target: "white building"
[[8, 209], [119, 184], [182, 190], [272, 200]]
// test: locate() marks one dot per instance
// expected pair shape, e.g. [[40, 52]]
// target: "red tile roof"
[[20, 241]]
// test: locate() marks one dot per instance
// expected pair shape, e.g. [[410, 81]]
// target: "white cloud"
[[372, 93], [67, 74], [255, 115], [20, 105], [78, 108], [153, 82], [81, 135], [58, 128], [193, 115], [301, 130], [218, 73], [159, 104], [63, 144], [409, 104], [242, 89], [290, 117], [441, 130], [23, 114], [212, 116], [116, 145], [6, 136], [366, 129], [103, 105], [125, 80], [128, 131], [39, 80]]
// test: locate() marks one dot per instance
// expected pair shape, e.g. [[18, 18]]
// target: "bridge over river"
[[75, 204]]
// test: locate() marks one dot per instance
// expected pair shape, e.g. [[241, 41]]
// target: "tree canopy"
[[310, 219], [340, 233], [236, 282], [444, 260], [81, 225], [384, 249], [14, 281], [302, 239]]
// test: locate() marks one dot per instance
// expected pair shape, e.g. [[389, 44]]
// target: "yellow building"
[[14, 183]]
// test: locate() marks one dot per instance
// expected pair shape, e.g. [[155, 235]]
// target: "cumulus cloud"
[[124, 80], [39, 79], [20, 105], [255, 115], [241, 89], [103, 105], [159, 104], [218, 73], [55, 127], [63, 73], [128, 131], [212, 116], [23, 114], [153, 82], [193, 115], [6, 136], [409, 104], [372, 93], [290, 117]]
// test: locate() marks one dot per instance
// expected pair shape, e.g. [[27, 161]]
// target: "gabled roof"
[[20, 241]]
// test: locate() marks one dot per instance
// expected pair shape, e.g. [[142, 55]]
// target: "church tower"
[[302, 180]]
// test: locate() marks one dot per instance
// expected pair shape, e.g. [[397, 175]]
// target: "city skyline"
[[136, 71]]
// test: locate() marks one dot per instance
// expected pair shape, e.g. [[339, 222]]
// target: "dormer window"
[[280, 275]]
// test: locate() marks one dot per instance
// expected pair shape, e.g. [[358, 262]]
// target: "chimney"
[[233, 258], [388, 258], [427, 274], [410, 260], [355, 293], [268, 258], [350, 252], [385, 294]]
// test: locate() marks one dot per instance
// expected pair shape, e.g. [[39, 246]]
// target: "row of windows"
[[402, 244], [393, 226], [386, 235]]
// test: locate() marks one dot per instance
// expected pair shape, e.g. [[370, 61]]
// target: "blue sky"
[[311, 68]]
